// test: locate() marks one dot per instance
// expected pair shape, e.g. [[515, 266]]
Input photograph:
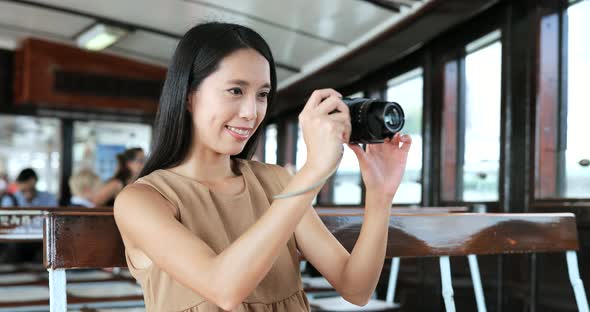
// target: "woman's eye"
[[263, 94], [235, 91]]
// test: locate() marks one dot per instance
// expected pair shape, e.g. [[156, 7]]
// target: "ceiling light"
[[100, 36]]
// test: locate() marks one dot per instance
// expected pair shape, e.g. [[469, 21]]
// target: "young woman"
[[201, 228], [130, 163]]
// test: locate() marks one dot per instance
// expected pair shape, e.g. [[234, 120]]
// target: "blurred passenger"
[[130, 164], [83, 186], [27, 194], [4, 192]]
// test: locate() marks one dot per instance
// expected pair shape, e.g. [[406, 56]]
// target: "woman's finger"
[[318, 96], [406, 142], [333, 103], [395, 139]]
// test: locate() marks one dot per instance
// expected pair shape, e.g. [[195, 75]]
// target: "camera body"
[[373, 120]]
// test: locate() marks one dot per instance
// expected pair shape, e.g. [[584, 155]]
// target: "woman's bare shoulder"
[[135, 198]]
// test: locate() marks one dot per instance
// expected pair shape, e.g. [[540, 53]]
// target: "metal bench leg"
[[392, 280], [57, 291], [447, 285], [476, 279], [574, 274]]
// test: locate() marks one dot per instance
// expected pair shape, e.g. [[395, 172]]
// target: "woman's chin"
[[232, 151]]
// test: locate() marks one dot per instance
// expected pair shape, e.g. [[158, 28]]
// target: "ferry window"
[[563, 155], [471, 125], [577, 153], [97, 143], [270, 145], [31, 142], [481, 157], [407, 90]]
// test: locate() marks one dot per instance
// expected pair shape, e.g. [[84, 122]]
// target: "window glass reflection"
[[577, 154], [482, 123]]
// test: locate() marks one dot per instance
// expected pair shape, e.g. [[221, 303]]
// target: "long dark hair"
[[123, 173], [198, 55]]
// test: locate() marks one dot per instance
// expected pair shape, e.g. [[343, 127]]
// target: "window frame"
[[453, 50]]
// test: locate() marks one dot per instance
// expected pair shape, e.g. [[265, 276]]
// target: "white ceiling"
[[303, 34]]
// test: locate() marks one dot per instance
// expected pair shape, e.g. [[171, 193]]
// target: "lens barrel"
[[373, 120]]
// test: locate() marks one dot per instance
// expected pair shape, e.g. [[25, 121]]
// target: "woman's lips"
[[243, 133]]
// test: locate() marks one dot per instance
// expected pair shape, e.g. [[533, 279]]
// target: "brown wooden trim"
[[547, 107], [449, 131]]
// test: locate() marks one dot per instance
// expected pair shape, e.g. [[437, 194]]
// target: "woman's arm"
[[147, 222], [106, 192], [355, 275]]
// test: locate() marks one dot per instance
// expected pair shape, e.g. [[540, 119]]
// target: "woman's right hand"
[[324, 132]]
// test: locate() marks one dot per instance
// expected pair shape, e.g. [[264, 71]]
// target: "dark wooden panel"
[[37, 80]]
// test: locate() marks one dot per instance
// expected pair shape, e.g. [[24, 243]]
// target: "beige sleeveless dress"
[[219, 220]]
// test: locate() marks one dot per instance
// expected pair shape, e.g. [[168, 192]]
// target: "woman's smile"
[[239, 133]]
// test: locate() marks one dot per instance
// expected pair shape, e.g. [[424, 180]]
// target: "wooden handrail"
[[90, 239]]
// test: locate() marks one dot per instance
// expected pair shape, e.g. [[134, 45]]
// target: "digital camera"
[[373, 120]]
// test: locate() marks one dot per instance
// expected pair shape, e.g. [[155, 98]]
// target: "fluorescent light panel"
[[100, 36]]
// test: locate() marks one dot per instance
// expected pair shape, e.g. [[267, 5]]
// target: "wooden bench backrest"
[[90, 238], [459, 234], [76, 238]]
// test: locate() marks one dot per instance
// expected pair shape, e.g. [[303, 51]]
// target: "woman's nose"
[[248, 109]]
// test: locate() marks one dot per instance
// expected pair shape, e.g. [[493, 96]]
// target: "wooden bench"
[[70, 241], [26, 286]]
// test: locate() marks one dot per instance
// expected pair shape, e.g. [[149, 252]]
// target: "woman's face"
[[135, 165], [230, 104]]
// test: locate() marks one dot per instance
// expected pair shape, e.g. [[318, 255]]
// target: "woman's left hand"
[[383, 165]]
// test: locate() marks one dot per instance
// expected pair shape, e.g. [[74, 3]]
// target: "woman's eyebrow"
[[241, 82]]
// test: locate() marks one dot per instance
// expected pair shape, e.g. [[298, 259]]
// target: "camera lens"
[[373, 120], [393, 118]]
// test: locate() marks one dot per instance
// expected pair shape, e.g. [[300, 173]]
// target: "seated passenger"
[[83, 186], [27, 194], [130, 164]]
